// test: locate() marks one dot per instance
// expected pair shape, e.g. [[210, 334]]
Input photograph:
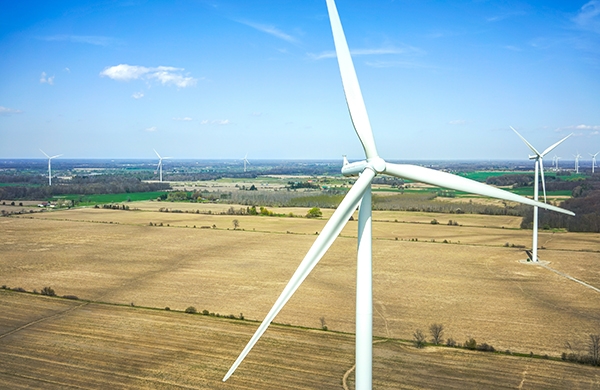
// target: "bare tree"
[[419, 339], [236, 224], [437, 333], [594, 349], [323, 325]]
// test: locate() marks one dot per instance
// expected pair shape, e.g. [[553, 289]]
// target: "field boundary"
[[570, 277]]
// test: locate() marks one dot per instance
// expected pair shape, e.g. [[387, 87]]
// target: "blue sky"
[[219, 79]]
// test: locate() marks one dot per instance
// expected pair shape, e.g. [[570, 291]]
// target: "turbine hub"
[[377, 163]]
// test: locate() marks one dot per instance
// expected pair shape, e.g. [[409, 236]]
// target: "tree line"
[[585, 203], [80, 185]]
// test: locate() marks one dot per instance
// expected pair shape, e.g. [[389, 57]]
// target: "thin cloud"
[[268, 29], [588, 17], [151, 129], [512, 48], [46, 80], [405, 50], [580, 130], [186, 119], [503, 16], [215, 122], [5, 111], [137, 95], [166, 75], [87, 39], [398, 64]]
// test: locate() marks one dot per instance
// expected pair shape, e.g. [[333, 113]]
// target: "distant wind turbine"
[[593, 161], [577, 157], [50, 166], [246, 161], [160, 164], [557, 160], [539, 171], [359, 195]]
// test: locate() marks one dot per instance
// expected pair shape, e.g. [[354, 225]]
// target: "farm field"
[[57, 344], [476, 229], [477, 288]]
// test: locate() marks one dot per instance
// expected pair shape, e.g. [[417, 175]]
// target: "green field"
[[111, 198]]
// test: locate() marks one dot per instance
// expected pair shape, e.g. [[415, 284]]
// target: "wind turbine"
[[359, 195], [246, 161], [593, 160], [50, 166], [160, 165], [557, 160], [577, 157], [539, 171]]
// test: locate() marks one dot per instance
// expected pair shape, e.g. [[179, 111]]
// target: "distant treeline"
[[428, 202], [585, 204], [81, 185], [553, 183]]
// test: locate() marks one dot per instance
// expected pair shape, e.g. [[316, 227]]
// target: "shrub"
[[314, 212], [471, 344], [191, 310], [434, 222], [205, 312], [167, 308], [419, 339], [74, 297], [437, 333], [451, 342], [485, 348], [49, 291]]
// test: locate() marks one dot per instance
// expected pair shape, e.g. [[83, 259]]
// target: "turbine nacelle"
[[377, 164]]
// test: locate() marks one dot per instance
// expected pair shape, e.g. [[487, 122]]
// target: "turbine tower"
[[539, 171], [50, 166], [577, 157], [593, 161], [557, 160], [246, 161], [160, 164], [359, 195]]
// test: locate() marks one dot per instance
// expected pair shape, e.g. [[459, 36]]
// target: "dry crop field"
[[63, 344], [478, 288]]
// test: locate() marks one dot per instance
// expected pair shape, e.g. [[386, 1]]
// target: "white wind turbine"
[[539, 171], [160, 164], [557, 160], [246, 161], [360, 195], [577, 157], [593, 161], [50, 166]]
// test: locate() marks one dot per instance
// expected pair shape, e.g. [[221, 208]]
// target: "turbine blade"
[[555, 145], [447, 180], [542, 175], [328, 235], [354, 99], [58, 155], [44, 153], [157, 153], [526, 143]]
